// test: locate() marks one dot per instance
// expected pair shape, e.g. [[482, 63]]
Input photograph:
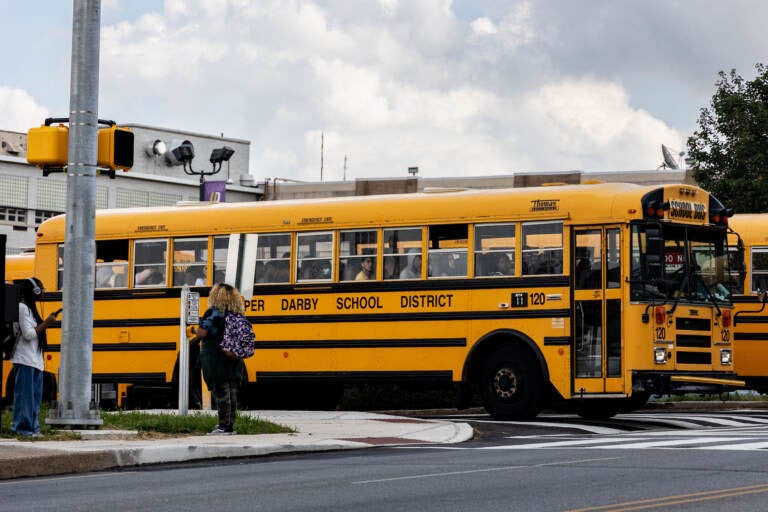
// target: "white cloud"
[[458, 87], [484, 26], [19, 111]]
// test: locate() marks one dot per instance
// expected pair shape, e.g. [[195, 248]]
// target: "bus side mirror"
[[654, 252]]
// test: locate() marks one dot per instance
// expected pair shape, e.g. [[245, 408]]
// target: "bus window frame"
[[284, 262], [300, 259]]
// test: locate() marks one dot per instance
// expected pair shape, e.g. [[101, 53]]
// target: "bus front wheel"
[[511, 384]]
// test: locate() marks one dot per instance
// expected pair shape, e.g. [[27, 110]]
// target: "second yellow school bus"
[[750, 326], [589, 296]]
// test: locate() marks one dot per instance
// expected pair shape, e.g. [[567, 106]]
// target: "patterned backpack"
[[238, 341]]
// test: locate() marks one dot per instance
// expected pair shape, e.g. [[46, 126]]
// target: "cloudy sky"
[[455, 87]]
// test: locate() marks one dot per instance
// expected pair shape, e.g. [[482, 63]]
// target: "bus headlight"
[[726, 357], [660, 355]]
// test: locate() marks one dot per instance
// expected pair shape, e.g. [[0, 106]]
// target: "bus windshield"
[[687, 264]]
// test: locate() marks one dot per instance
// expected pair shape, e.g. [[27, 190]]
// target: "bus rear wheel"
[[511, 384]]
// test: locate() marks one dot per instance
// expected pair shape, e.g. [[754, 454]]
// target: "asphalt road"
[[695, 468]]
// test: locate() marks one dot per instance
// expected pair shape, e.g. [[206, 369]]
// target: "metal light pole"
[[74, 406]]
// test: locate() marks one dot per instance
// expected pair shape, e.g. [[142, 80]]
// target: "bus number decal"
[[661, 333], [519, 300], [538, 298], [725, 335]]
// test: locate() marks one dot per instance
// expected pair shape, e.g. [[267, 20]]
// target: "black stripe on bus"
[[750, 319], [357, 317], [137, 322], [410, 376], [128, 377], [402, 317], [745, 299], [557, 340], [750, 336], [123, 347], [378, 343]]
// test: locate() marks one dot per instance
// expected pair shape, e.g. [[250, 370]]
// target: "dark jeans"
[[225, 395], [27, 397]]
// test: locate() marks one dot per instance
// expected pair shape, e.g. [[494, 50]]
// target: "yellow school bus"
[[591, 297], [750, 323], [19, 266]]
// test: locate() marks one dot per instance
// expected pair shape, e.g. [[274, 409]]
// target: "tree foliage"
[[729, 150]]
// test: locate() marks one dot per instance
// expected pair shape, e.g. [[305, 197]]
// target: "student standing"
[[28, 363], [223, 375]]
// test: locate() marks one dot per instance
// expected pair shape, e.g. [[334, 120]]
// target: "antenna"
[[322, 145], [669, 158]]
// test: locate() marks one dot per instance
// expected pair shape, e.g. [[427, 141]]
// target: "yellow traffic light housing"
[[115, 148], [47, 146]]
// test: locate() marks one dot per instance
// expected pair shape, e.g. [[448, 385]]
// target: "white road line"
[[670, 442], [484, 470], [740, 446], [594, 429], [554, 444]]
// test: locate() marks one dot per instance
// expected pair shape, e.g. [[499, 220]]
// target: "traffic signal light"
[[116, 148], [47, 146]]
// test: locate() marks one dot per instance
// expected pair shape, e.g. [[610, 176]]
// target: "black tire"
[[511, 384]]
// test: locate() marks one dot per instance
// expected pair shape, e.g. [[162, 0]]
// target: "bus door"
[[596, 281]]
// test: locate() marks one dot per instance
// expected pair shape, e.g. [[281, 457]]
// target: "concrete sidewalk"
[[315, 431]]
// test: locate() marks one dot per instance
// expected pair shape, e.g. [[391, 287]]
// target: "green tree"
[[729, 150]]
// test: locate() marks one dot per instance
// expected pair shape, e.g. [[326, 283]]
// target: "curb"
[[29, 459]]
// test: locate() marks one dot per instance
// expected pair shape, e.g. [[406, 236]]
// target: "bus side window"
[[149, 262], [759, 270], [448, 251], [190, 261], [111, 264], [220, 250], [402, 253], [273, 258], [494, 250], [315, 253], [357, 255], [542, 251]]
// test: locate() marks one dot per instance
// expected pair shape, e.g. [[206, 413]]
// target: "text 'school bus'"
[[588, 296], [750, 319]]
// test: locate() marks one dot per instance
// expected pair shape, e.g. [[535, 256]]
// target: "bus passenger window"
[[60, 267], [111, 264], [402, 253], [190, 261], [149, 263], [273, 259], [220, 249], [759, 270], [494, 250], [357, 255], [542, 248], [447, 251], [315, 252]]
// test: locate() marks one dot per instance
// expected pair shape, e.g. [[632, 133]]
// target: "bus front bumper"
[[661, 383]]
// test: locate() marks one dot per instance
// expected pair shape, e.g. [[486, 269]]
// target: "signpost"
[[189, 315]]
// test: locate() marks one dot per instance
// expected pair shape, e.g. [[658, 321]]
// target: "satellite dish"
[[669, 159]]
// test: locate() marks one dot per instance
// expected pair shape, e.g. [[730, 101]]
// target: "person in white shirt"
[[27, 359]]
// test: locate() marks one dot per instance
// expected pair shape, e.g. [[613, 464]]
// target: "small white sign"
[[193, 308]]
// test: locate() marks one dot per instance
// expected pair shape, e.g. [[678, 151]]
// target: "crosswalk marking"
[[671, 442]]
